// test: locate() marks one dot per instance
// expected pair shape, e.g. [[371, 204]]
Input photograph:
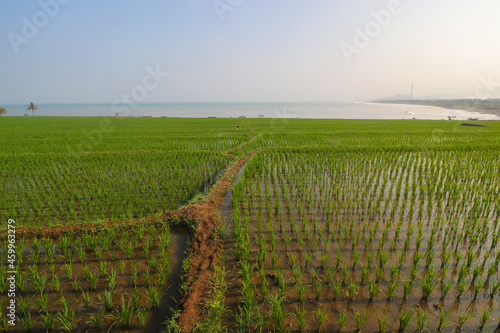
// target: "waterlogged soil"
[[114, 260], [328, 251]]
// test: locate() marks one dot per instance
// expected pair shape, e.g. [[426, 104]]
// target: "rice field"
[[113, 279], [338, 225], [368, 240]]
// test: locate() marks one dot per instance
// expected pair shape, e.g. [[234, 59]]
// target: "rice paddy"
[[339, 225]]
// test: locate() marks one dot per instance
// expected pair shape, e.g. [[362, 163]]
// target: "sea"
[[311, 110]]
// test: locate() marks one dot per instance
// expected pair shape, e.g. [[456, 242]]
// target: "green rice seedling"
[[277, 312], [96, 319], [383, 258], [75, 284], [68, 270], [321, 315], [26, 322], [345, 274], [264, 287], [103, 267], [428, 284], [3, 280], [395, 270], [364, 273], [121, 266], [405, 318], [35, 251], [107, 300], [66, 319], [429, 257], [391, 288], [87, 300], [86, 271], [125, 313], [330, 275], [20, 282], [416, 259], [462, 319], [135, 272], [494, 288], [48, 321], [153, 264], [308, 257], [301, 291], [3, 324], [56, 284], [52, 268], [355, 259], [351, 291], [477, 270], [462, 272], [135, 297], [445, 288], [128, 249], [318, 287], [342, 319], [39, 283], [142, 314], [300, 316], [407, 286], [373, 289], [23, 304], [478, 286], [484, 318], [324, 259], [336, 289], [369, 259], [382, 322], [154, 296], [422, 319], [42, 302], [111, 279], [147, 276], [378, 274], [360, 318], [260, 321], [444, 318], [93, 279], [98, 251]]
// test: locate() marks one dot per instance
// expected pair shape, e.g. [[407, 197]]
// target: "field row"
[[98, 280], [373, 240], [45, 190]]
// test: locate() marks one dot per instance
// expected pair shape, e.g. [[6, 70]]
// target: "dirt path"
[[204, 250]]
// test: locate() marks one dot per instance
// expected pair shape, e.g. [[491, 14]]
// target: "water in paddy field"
[[326, 110]]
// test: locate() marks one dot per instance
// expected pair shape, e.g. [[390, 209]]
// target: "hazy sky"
[[55, 51]]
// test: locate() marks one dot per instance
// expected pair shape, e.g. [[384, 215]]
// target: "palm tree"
[[32, 107], [2, 111]]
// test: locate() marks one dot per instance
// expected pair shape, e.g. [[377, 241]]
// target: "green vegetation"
[[395, 224], [336, 225]]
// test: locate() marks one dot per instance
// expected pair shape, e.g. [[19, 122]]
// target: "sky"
[[94, 51]]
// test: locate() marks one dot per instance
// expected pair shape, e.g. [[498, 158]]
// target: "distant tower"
[[410, 96]]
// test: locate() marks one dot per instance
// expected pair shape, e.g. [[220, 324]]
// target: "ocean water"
[[330, 110]]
